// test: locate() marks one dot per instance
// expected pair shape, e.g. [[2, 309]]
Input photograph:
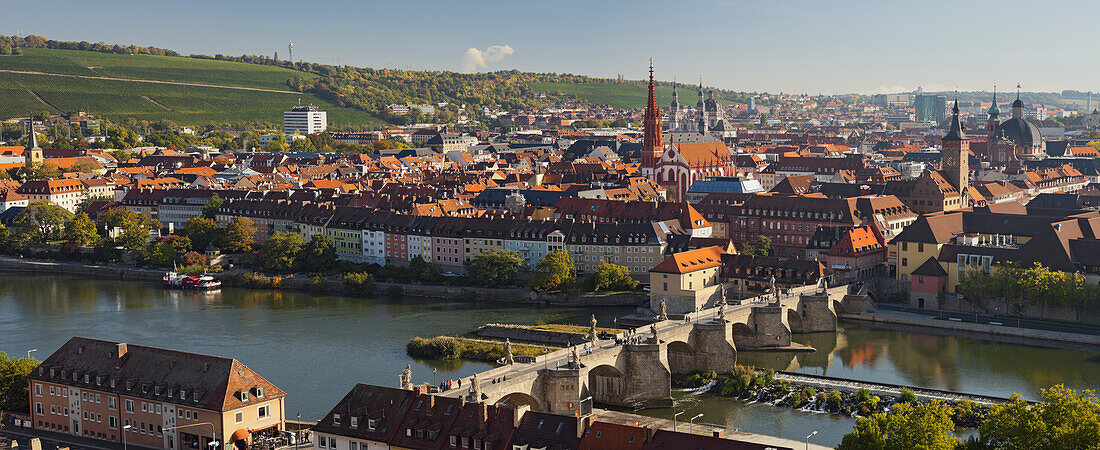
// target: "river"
[[317, 347]]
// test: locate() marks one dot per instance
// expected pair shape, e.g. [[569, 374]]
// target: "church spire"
[[955, 133], [994, 110], [651, 138]]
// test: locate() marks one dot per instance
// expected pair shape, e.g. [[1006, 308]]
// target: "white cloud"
[[475, 59]]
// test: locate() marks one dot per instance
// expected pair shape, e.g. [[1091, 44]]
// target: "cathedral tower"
[[674, 110], [651, 139], [994, 118], [955, 154]]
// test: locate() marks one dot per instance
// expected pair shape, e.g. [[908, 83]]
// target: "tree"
[[210, 209], [134, 228], [906, 426], [40, 222], [495, 267], [14, 394], [84, 167], [1065, 419], [759, 245], [612, 277], [201, 231], [280, 252], [165, 252], [40, 171], [121, 155], [239, 235], [423, 270], [302, 145], [319, 255], [80, 230], [278, 144], [554, 271]]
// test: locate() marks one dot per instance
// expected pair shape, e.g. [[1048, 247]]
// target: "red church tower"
[[651, 140]]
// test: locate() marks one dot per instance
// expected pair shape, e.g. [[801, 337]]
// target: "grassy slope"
[[185, 104]]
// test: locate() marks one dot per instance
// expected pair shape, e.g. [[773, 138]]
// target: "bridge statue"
[[508, 358], [574, 358], [592, 331], [475, 388], [662, 311], [653, 329], [771, 282], [406, 377], [822, 285], [722, 311]]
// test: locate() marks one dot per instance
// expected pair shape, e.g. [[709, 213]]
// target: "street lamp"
[[213, 438], [691, 430], [674, 416], [29, 352], [125, 429], [808, 439]]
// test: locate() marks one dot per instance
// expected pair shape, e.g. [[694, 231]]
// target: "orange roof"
[[692, 260]]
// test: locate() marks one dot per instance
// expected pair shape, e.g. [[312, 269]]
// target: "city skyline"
[[792, 47]]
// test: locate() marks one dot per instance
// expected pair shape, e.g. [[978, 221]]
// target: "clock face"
[[950, 160]]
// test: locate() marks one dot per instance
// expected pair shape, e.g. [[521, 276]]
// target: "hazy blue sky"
[[791, 46]]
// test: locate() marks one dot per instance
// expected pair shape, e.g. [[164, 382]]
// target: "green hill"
[[117, 99], [616, 95]]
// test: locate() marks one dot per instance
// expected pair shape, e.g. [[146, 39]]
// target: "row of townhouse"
[[366, 235]]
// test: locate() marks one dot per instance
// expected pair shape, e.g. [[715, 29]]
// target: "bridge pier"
[[648, 378], [561, 390], [813, 313], [713, 345], [767, 327]]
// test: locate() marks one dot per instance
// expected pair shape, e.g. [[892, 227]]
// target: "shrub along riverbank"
[[452, 348], [748, 383]]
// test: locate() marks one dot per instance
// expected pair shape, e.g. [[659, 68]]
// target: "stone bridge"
[[635, 370]]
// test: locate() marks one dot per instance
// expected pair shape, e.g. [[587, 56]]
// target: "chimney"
[[482, 412], [121, 347], [35, 444], [518, 415]]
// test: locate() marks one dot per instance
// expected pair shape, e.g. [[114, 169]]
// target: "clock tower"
[[955, 156]]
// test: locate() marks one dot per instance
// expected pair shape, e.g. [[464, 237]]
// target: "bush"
[[907, 396], [360, 283], [449, 348], [317, 284]]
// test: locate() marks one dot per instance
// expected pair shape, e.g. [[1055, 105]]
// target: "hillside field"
[[191, 105]]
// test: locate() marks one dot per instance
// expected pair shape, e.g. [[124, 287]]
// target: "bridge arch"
[[794, 319], [742, 329], [517, 399], [681, 357], [607, 385]]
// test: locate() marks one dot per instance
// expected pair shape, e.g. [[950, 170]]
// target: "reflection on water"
[[317, 346]]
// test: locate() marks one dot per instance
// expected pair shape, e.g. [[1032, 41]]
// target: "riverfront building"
[[155, 397]]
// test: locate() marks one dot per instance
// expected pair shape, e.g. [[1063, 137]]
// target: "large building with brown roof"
[[159, 398]]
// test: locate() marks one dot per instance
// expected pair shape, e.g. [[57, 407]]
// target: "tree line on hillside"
[[9, 45]]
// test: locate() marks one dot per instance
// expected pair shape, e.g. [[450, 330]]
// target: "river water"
[[317, 347]]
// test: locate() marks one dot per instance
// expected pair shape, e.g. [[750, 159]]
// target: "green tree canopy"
[[319, 255], [495, 267], [280, 252], [239, 235], [202, 232], [14, 393], [612, 277], [210, 209], [1065, 419], [40, 222], [906, 426], [759, 245], [555, 271], [134, 228], [80, 230], [423, 270], [165, 252]]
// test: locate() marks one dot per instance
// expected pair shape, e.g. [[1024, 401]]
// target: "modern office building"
[[304, 120], [930, 108]]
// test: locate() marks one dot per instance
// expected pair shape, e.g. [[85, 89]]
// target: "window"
[[52, 392], [355, 422], [238, 417], [321, 442], [336, 419], [112, 422], [38, 409], [372, 424], [37, 390], [263, 412], [332, 442], [354, 445], [130, 406]]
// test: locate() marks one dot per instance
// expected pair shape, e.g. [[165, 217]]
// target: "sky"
[[792, 46]]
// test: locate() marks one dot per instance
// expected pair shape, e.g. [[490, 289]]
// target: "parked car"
[[450, 274]]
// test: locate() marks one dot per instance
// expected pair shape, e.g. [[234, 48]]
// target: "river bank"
[[1005, 333], [335, 285]]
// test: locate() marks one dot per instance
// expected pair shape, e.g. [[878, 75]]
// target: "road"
[[1034, 324], [176, 83]]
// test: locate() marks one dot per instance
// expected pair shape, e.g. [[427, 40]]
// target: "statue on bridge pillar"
[[822, 286], [592, 331], [653, 329], [508, 358], [406, 377], [771, 283], [574, 358], [475, 389], [662, 311], [722, 311]]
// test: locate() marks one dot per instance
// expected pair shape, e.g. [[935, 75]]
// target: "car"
[[450, 274], [646, 288]]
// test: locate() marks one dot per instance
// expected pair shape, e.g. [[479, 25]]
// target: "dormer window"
[[244, 396], [259, 392], [354, 422], [336, 419], [372, 424]]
